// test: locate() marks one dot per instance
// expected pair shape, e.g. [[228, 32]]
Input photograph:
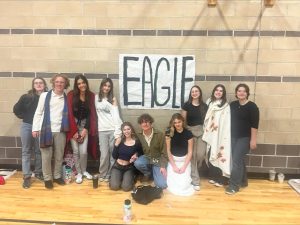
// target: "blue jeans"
[[144, 166], [28, 144], [240, 148]]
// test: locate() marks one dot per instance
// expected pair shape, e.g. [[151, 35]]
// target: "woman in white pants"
[[179, 142]]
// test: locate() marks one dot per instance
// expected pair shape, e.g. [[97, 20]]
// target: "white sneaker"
[[78, 178], [211, 181], [196, 187], [218, 184], [87, 175]]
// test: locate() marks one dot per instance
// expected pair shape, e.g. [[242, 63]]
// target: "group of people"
[[216, 131], [222, 135]]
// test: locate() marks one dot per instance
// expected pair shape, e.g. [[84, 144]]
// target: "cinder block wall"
[[236, 41]]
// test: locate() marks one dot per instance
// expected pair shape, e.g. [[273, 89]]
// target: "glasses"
[[148, 122], [38, 82], [59, 82]]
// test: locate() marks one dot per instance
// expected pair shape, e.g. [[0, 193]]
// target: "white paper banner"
[[155, 81]]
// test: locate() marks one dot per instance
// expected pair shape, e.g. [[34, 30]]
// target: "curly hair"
[[145, 118], [67, 81]]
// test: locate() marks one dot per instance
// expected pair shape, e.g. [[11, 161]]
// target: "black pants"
[[240, 148], [215, 173]]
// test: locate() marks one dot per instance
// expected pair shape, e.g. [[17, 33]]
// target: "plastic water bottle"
[[67, 173], [127, 214]]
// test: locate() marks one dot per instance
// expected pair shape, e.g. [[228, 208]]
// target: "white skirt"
[[180, 184]]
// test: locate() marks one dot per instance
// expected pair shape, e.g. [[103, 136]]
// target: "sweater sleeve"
[[117, 121], [18, 107], [39, 113], [254, 114], [164, 155], [139, 148]]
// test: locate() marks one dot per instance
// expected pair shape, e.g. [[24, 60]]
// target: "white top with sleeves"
[[56, 112], [108, 117]]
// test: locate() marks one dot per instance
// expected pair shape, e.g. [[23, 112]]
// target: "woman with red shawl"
[[83, 125]]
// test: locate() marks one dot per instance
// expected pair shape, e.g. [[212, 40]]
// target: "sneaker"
[[39, 176], [196, 187], [87, 175], [211, 181], [59, 181], [26, 182], [78, 178], [101, 179], [48, 184], [218, 184], [106, 179], [230, 191]]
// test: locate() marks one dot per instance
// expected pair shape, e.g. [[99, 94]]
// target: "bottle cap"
[[127, 202]]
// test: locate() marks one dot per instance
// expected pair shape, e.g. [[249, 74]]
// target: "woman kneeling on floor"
[[179, 142], [126, 151]]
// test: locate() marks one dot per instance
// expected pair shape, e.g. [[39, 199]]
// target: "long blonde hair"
[[175, 116]]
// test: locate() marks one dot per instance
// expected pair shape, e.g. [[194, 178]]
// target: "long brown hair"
[[133, 134], [223, 99], [200, 100], [110, 94], [76, 92], [203, 107], [33, 91]]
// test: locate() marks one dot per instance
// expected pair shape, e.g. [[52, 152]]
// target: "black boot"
[[59, 181], [48, 184], [26, 182]]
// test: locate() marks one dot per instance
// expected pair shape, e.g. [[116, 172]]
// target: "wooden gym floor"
[[263, 202]]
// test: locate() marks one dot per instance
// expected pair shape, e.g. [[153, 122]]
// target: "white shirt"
[[108, 117], [56, 111], [148, 138]]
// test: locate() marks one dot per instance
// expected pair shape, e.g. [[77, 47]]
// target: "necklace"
[[242, 103]]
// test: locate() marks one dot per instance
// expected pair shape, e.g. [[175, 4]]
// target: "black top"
[[195, 115], [179, 142], [243, 118], [125, 152], [26, 106], [82, 112]]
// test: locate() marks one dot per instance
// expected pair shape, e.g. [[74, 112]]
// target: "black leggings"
[[215, 173]]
